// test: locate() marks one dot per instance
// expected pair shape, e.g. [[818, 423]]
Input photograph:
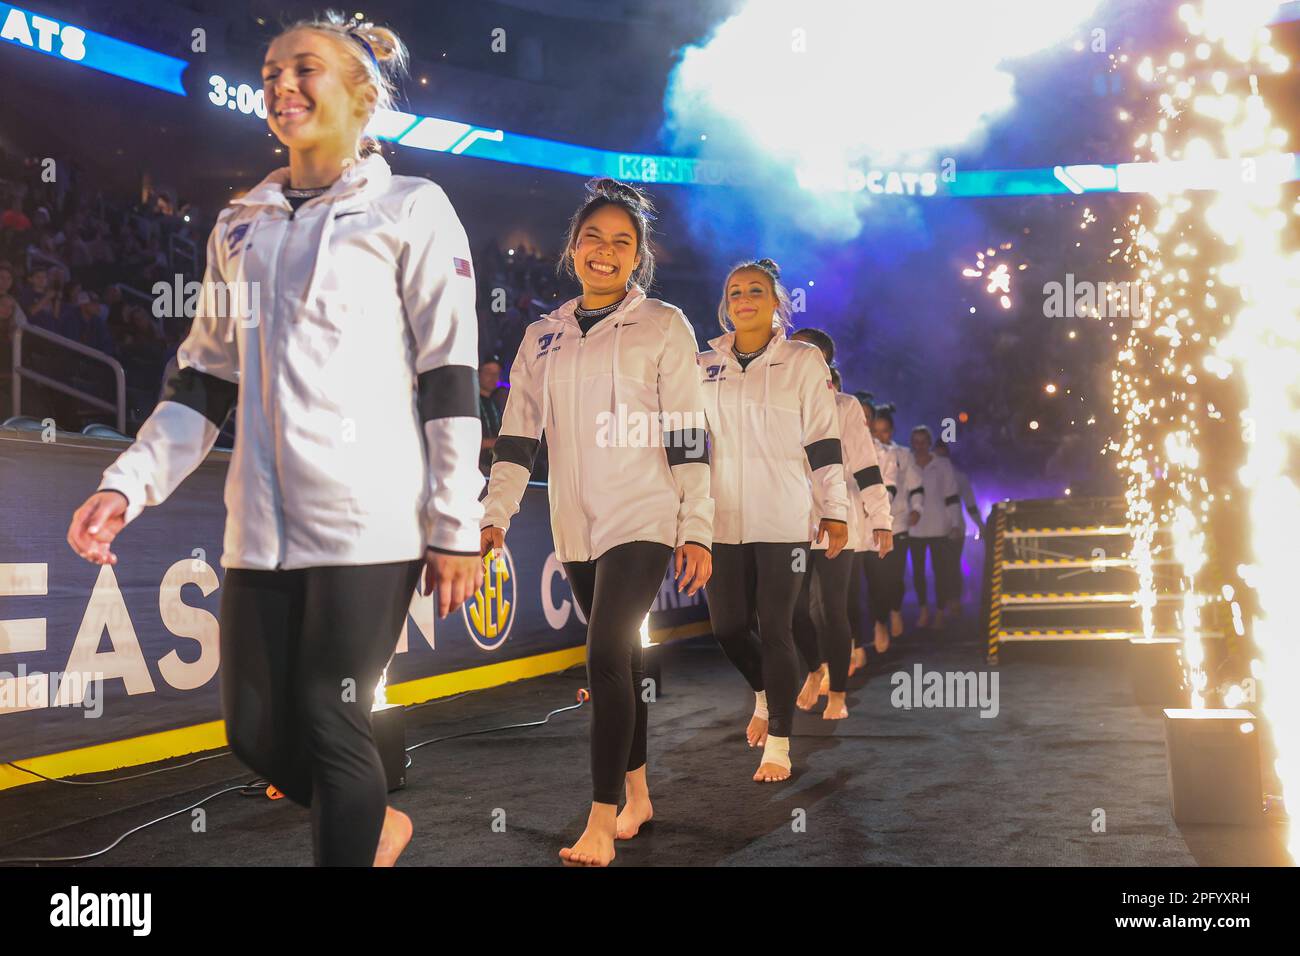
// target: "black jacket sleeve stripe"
[[919, 490], [686, 445], [449, 391], [866, 477], [516, 450], [952, 500], [826, 451], [210, 396]]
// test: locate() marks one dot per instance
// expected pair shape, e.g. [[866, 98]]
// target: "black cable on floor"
[[254, 788], [490, 730], [90, 856]]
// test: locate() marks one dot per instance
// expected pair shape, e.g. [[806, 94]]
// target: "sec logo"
[[490, 613]]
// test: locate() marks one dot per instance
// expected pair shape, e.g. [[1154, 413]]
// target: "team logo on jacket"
[[491, 611], [712, 372], [236, 236], [544, 342]]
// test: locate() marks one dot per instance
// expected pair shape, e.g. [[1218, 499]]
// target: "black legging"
[[301, 654], [941, 561], [760, 579], [615, 593], [856, 593], [821, 617], [955, 579], [885, 579]]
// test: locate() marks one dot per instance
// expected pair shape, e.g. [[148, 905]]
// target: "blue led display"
[[42, 34], [84, 47]]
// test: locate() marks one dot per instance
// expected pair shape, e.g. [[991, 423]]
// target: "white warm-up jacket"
[[942, 501], [967, 500], [869, 505], [352, 369], [625, 430], [770, 426], [903, 482]]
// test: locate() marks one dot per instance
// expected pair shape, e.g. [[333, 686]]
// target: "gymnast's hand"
[[491, 538], [884, 542], [692, 567], [836, 534], [455, 577], [95, 524]]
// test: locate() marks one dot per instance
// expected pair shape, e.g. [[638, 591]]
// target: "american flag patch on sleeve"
[[462, 267]]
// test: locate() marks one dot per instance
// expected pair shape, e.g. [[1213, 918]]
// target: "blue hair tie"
[[365, 46]]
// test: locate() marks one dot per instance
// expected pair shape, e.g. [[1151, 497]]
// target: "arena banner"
[[90, 655]]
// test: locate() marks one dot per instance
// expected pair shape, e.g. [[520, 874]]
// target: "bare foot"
[[923, 620], [824, 687], [637, 811], [771, 773], [596, 845], [632, 817], [807, 698], [895, 623], [858, 660], [756, 732], [882, 637], [393, 838], [836, 708], [940, 619]]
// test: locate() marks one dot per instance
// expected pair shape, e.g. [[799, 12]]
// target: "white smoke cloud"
[[822, 87]]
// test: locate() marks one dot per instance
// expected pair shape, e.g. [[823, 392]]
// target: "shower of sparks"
[[997, 277], [1227, 303]]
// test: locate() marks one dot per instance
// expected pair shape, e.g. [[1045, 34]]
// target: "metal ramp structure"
[[1059, 570]]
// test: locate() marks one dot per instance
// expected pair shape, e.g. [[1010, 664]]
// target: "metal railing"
[[181, 248], [133, 296], [23, 327], [46, 261]]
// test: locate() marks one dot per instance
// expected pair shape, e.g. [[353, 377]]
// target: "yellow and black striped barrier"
[[993, 562], [1083, 597]]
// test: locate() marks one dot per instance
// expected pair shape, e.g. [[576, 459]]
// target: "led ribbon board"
[[140, 65], [65, 41], [464, 139]]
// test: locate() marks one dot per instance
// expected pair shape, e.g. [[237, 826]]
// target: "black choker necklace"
[[308, 193], [594, 313], [746, 356]]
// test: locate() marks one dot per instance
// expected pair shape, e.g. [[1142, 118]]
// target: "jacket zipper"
[[740, 471], [275, 442], [577, 458]]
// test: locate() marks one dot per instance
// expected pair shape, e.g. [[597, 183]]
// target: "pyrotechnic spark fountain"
[[997, 278], [1237, 244]]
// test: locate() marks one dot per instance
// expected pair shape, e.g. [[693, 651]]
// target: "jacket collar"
[[635, 296], [724, 345], [358, 181]]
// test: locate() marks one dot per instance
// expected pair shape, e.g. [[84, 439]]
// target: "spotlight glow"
[[770, 81]]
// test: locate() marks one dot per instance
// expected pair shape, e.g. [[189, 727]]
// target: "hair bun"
[[382, 42], [771, 266], [612, 188]]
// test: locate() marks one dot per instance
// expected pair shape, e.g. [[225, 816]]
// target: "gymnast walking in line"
[[352, 373], [620, 510], [823, 630], [885, 572], [772, 423]]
